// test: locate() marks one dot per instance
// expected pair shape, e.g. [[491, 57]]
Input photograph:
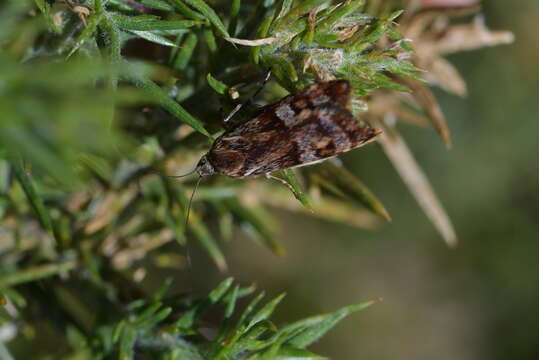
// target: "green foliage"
[[88, 126], [80, 79], [100, 98], [163, 326], [336, 41]]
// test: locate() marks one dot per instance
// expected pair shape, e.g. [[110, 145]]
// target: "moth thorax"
[[204, 167]]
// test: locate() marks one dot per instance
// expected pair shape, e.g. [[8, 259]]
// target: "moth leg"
[[264, 82], [282, 181], [226, 121]]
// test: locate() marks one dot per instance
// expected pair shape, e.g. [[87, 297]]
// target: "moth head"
[[204, 167]]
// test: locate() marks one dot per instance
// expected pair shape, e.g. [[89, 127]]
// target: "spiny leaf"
[[127, 343], [144, 24], [220, 291], [242, 292], [210, 14], [402, 159], [249, 309], [160, 96], [186, 10], [87, 33], [36, 273], [158, 295], [261, 32], [284, 70], [303, 7], [209, 37], [156, 4], [33, 197], [148, 313], [343, 183], [217, 294], [153, 37], [375, 33], [186, 52], [286, 5], [233, 16], [287, 353], [317, 326], [265, 312], [185, 351], [291, 178], [428, 103], [339, 13], [231, 302]]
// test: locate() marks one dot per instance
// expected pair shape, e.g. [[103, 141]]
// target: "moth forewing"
[[378, 132], [301, 129]]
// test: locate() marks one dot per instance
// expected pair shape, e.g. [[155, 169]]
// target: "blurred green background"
[[477, 301]]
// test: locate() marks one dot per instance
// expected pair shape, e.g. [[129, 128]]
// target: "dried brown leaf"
[[383, 103], [108, 207], [434, 36], [427, 101], [144, 243], [443, 74], [471, 36], [411, 117], [418, 21], [402, 159]]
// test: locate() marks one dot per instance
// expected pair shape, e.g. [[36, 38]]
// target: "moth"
[[301, 129]]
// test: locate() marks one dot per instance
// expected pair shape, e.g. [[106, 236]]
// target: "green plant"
[[100, 98]]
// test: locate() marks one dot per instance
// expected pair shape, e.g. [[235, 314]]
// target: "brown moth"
[[301, 129], [309, 126]]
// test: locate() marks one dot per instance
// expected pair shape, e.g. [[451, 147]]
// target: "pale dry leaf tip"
[[402, 159], [383, 103], [58, 19], [428, 103], [411, 117], [257, 42], [471, 36], [443, 74]]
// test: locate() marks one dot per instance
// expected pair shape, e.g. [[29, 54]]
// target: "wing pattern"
[[306, 127]]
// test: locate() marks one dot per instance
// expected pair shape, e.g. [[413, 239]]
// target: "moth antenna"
[[191, 202], [180, 176], [174, 176]]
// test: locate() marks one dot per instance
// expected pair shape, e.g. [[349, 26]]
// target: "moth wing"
[[328, 131], [336, 92], [251, 145], [309, 126]]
